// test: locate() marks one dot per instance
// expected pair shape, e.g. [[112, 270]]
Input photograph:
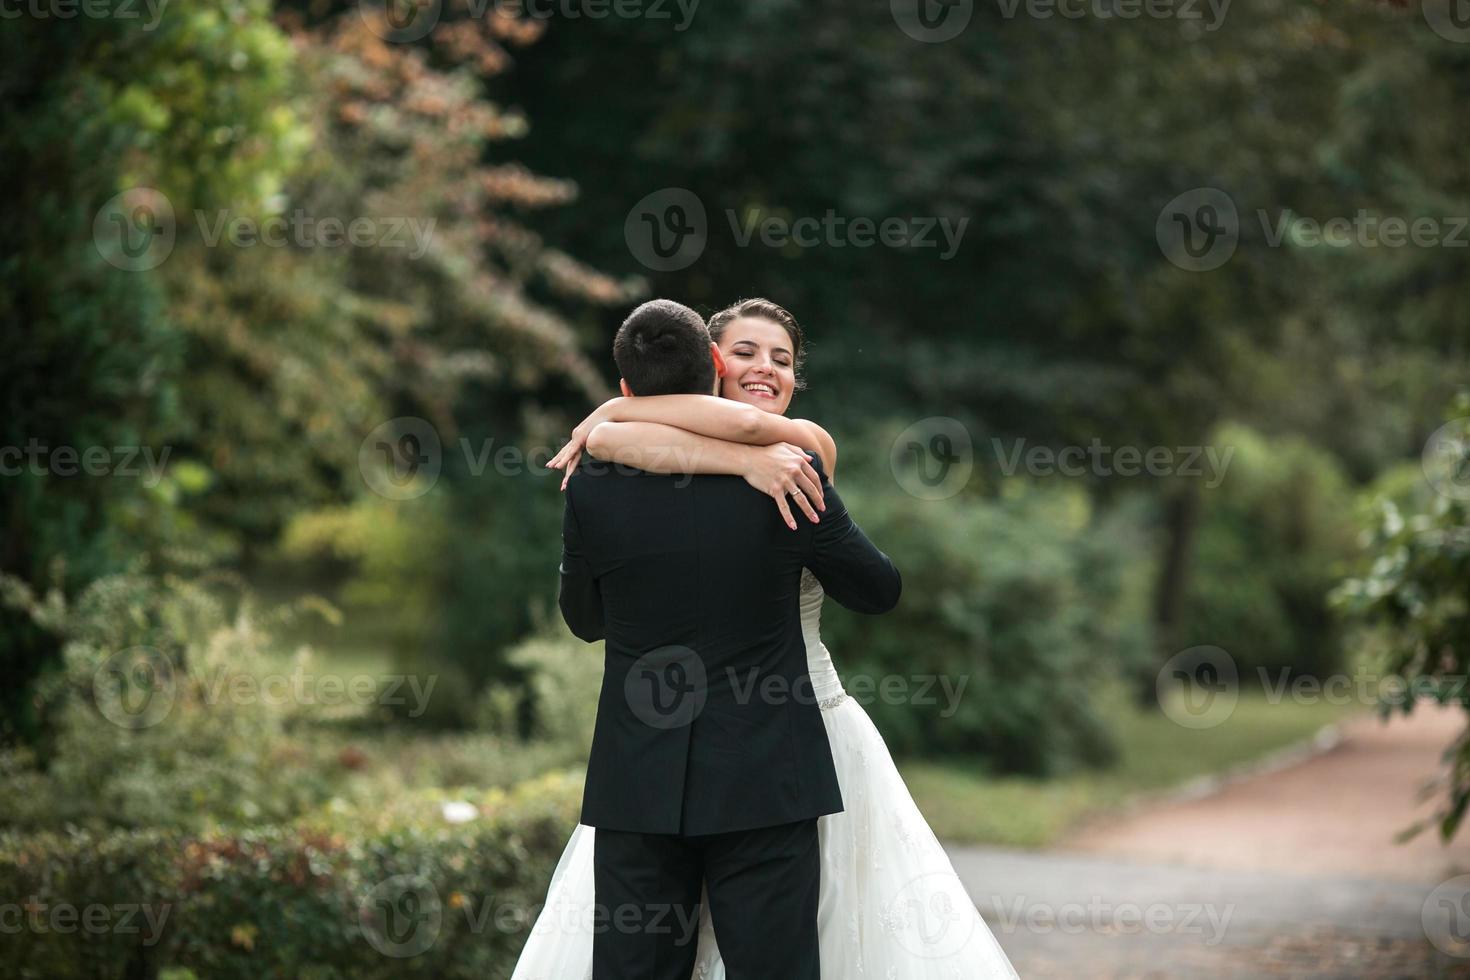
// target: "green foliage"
[[500, 574], [1273, 539], [563, 682], [206, 94], [1059, 319], [260, 368], [245, 736], [302, 900], [394, 549], [1411, 603], [151, 727], [965, 804], [1029, 601], [455, 311]]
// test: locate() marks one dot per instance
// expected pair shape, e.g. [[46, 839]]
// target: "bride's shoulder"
[[825, 445]]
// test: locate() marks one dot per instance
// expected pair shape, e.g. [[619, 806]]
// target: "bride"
[[890, 905]]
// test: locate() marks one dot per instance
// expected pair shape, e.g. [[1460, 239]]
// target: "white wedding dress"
[[891, 906]]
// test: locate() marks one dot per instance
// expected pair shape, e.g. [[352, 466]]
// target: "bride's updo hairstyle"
[[763, 309]]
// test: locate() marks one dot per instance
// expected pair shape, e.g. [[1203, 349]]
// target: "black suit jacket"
[[706, 721]]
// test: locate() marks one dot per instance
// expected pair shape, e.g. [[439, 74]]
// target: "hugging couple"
[[742, 817]]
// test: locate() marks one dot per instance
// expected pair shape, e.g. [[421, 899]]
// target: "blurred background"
[[1140, 327]]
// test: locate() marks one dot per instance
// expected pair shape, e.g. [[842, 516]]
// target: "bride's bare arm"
[[780, 469], [705, 415], [719, 418]]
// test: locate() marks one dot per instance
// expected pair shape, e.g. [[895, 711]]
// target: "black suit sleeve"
[[580, 599], [850, 567]]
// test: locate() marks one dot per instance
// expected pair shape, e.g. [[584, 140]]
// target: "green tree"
[[1412, 601], [98, 106]]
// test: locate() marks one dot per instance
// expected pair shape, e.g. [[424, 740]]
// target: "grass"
[[962, 802], [965, 805]]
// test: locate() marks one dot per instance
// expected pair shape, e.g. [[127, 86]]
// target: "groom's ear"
[[623, 386], [714, 352]]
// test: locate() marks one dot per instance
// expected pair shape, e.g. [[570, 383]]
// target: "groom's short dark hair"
[[663, 349]]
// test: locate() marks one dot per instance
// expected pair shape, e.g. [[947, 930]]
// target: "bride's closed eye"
[[778, 361]]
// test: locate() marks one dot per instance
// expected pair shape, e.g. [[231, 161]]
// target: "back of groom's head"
[[663, 348]]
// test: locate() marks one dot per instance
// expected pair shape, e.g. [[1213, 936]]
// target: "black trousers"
[[762, 887]]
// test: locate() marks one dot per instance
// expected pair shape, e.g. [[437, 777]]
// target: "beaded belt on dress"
[[827, 704]]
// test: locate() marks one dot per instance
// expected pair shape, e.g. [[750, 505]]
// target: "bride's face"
[[760, 364]]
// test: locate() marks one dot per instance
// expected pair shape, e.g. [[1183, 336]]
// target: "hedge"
[[429, 886]]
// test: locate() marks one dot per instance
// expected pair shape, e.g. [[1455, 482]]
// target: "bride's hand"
[[782, 469], [571, 454]]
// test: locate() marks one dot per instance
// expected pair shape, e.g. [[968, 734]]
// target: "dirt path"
[[1290, 873], [1336, 813]]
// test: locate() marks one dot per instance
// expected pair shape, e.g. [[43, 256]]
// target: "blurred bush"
[[1409, 603], [1272, 542], [174, 711], [1031, 601], [328, 897], [151, 727], [564, 679]]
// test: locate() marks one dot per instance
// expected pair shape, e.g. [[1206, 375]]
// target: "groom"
[[710, 763]]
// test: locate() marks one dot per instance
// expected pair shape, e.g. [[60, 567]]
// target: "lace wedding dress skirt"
[[891, 906]]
